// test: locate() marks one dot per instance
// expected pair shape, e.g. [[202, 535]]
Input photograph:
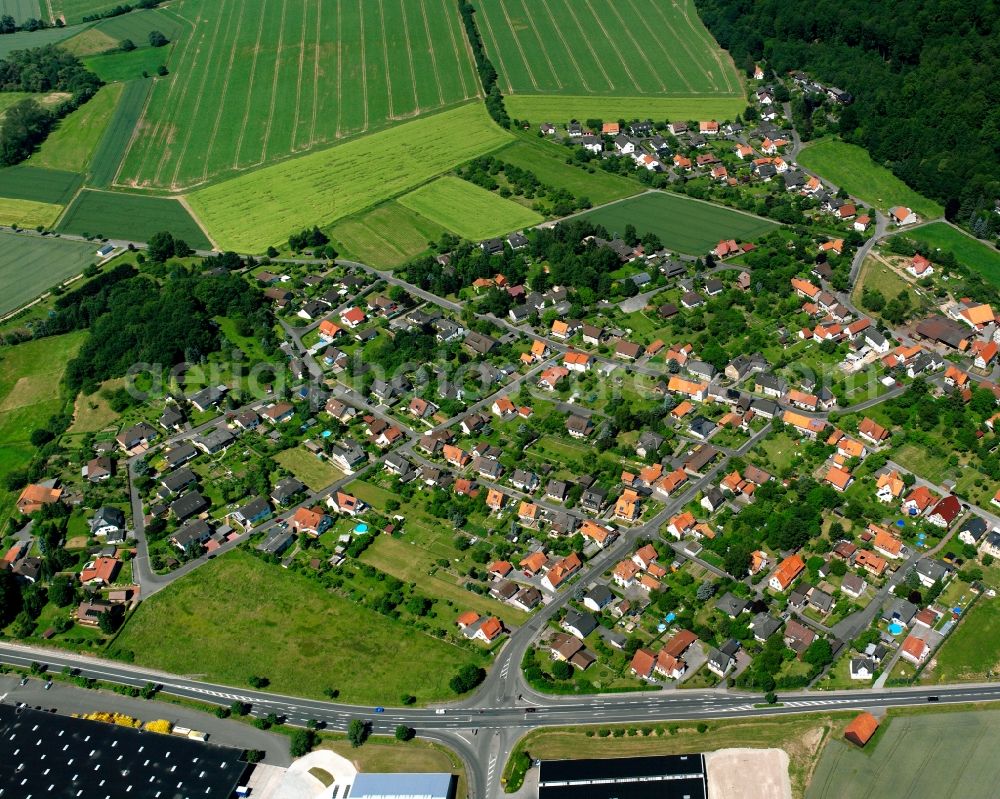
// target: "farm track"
[[541, 46], [253, 75], [588, 43], [663, 48], [301, 72], [409, 57], [681, 39], [225, 87], [385, 58], [569, 51], [485, 21], [638, 47], [617, 52], [433, 54], [520, 48], [274, 83], [457, 49]]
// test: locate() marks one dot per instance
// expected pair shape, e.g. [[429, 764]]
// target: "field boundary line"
[[132, 136], [197, 105], [541, 46], [274, 82], [433, 54], [409, 56], [316, 71], [569, 50], [683, 42], [617, 52], [364, 66], [586, 40], [517, 42], [154, 133], [496, 48], [222, 101], [713, 46], [663, 49], [340, 71], [181, 99], [182, 199], [385, 60], [253, 74], [298, 83], [451, 20]]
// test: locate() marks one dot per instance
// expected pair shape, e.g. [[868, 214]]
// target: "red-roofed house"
[[790, 568]]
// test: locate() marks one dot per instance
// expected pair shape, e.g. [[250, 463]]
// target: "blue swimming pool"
[[896, 628], [361, 527]]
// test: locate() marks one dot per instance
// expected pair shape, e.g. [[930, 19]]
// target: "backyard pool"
[[896, 628], [361, 527]]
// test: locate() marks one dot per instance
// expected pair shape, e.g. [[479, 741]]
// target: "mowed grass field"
[[30, 265], [386, 236], [940, 755], [683, 224], [851, 168], [30, 374], [70, 146], [969, 251], [131, 216], [254, 618], [548, 162], [312, 471], [468, 210], [630, 48], [254, 81], [253, 211]]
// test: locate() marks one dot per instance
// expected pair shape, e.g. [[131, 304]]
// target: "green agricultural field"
[[387, 236], [27, 213], [89, 41], [71, 145], [131, 216], [851, 168], [288, 628], [30, 265], [969, 251], [21, 10], [972, 652], [137, 25], [30, 374], [548, 162], [253, 211], [120, 66], [118, 133], [39, 185], [939, 755], [549, 108], [254, 82], [25, 40], [468, 210], [75, 10], [683, 224], [629, 49]]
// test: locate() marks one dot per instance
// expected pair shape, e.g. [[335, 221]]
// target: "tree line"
[[487, 72]]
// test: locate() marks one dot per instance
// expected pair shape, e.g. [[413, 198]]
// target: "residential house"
[[721, 660], [789, 569], [579, 426], [579, 623], [312, 521], [256, 510], [915, 650], [798, 637], [945, 512], [108, 522]]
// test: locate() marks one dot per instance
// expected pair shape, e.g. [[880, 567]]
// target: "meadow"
[[116, 67], [27, 213], [851, 168], [251, 617], [312, 471], [30, 374], [468, 210], [969, 251], [70, 146], [386, 236], [632, 49], [972, 651], [30, 265], [548, 163], [557, 108], [131, 216], [118, 133], [683, 224], [39, 185], [255, 81], [935, 755], [253, 211]]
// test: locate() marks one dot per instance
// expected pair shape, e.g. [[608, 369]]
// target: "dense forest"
[[923, 72]]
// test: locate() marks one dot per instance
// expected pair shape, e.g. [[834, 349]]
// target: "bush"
[[404, 733], [702, 727], [357, 732], [467, 678], [302, 742]]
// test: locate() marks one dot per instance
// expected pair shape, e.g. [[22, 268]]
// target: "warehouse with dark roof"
[[661, 777]]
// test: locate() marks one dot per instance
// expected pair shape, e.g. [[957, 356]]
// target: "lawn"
[[132, 217], [686, 225], [972, 652], [52, 261], [28, 214], [71, 145], [634, 49], [780, 450], [55, 186], [548, 163], [117, 135], [969, 251], [30, 374], [939, 755], [851, 168], [386, 236], [468, 210], [876, 275], [249, 617], [312, 471], [253, 211], [252, 82]]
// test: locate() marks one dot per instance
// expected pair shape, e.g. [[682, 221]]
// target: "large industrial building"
[[664, 777]]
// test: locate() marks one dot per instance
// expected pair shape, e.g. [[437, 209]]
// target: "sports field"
[[253, 211], [386, 236], [969, 251], [118, 133], [70, 146], [940, 755], [851, 168], [289, 629], [548, 163], [468, 210], [254, 81], [38, 185], [30, 265], [132, 217], [626, 49], [685, 225]]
